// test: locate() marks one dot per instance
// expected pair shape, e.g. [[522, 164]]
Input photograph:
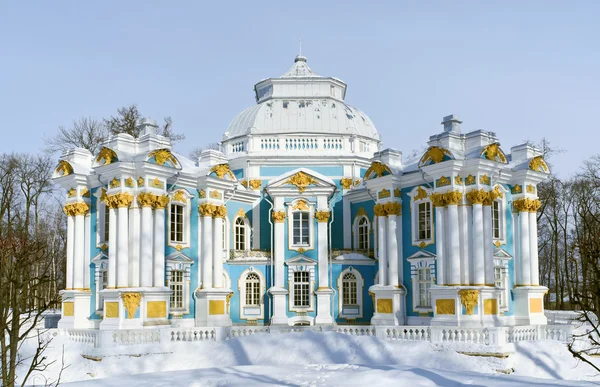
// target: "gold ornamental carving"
[[539, 165], [392, 208], [322, 216], [527, 205], [255, 184], [384, 305], [379, 210], [301, 180], [72, 193], [397, 192], [157, 183], [435, 154], [202, 194], [346, 182], [64, 168], [437, 199], [207, 209], [301, 205], [469, 298], [494, 153], [129, 182], [278, 216], [146, 199], [443, 181], [445, 306], [530, 189], [108, 155], [421, 194], [119, 200], [241, 213], [222, 170], [115, 183], [103, 195], [384, 193], [458, 180], [477, 196], [453, 198], [470, 180], [140, 181], [215, 195], [161, 156], [377, 169], [75, 209], [179, 196], [516, 189], [220, 212], [361, 212], [485, 179], [244, 183], [161, 202], [85, 193], [131, 301]]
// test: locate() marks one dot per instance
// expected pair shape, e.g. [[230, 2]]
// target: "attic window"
[[285, 104]]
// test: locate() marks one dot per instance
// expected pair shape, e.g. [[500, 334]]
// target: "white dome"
[[298, 102]]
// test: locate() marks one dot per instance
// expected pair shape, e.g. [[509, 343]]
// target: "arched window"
[[240, 234], [252, 290], [349, 290], [363, 233], [421, 217]]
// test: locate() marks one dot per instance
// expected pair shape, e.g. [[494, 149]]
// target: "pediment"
[[301, 179], [178, 257], [301, 260], [100, 257], [501, 254], [422, 254]]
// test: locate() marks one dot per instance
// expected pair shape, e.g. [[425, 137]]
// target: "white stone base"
[[324, 306], [529, 305], [389, 305], [279, 296], [75, 312], [212, 307], [449, 310], [153, 310]]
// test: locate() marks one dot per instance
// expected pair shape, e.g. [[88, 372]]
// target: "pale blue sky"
[[524, 69]]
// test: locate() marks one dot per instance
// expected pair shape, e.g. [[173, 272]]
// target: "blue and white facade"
[[302, 219]]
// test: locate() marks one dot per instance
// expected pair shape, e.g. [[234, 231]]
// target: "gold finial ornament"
[[469, 298], [64, 168], [421, 194], [241, 213], [376, 170], [539, 165], [434, 154], [278, 216], [222, 170], [494, 153], [131, 301], [108, 155], [301, 205], [301, 180], [322, 216], [180, 196], [161, 156]]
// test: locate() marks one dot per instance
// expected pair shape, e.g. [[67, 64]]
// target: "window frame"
[[501, 202], [415, 217], [184, 200], [102, 213], [301, 284], [247, 230], [501, 261], [422, 259], [350, 311], [178, 261], [100, 262], [305, 206], [252, 312], [301, 263], [177, 285], [357, 232]]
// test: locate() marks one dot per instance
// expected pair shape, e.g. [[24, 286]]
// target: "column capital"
[[379, 210], [322, 216], [74, 209], [220, 212], [477, 196], [146, 199], [207, 209], [392, 208], [527, 205], [278, 216], [119, 200], [160, 202]]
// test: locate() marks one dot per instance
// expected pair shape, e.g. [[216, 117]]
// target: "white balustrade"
[[192, 334]]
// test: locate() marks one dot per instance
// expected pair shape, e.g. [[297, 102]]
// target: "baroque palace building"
[[302, 219]]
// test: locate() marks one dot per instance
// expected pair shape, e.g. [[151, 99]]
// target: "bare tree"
[[127, 119], [85, 133]]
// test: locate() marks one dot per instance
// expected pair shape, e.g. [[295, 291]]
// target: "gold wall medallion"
[[384, 305], [111, 309], [301, 180]]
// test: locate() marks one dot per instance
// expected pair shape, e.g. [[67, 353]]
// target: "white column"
[[200, 246], [392, 249], [112, 248], [382, 255], [134, 245], [159, 247], [218, 252], [525, 248], [440, 245], [207, 251], [478, 247], [400, 248], [533, 249], [146, 256], [322, 254], [465, 219], [517, 248], [453, 243], [78, 252], [86, 256], [488, 245], [279, 246], [70, 251], [122, 247]]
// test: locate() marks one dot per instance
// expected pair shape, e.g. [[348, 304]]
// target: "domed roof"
[[301, 101]]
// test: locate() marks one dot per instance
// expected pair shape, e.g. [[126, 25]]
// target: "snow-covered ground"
[[313, 359]]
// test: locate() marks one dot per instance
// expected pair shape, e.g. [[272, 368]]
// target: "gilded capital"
[[207, 209], [392, 208], [119, 200], [379, 210], [477, 196], [146, 199], [527, 205], [278, 216], [161, 202], [220, 212], [438, 199], [452, 197], [322, 216], [75, 209]]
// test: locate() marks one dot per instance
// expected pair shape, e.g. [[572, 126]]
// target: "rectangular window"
[[496, 219], [176, 223], [106, 222], [301, 289], [499, 282], [301, 229], [424, 286], [424, 221], [176, 285]]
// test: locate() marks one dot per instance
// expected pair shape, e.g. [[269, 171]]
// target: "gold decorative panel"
[[445, 306], [156, 309], [111, 309], [536, 305], [68, 309], [384, 305], [216, 307], [490, 306]]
